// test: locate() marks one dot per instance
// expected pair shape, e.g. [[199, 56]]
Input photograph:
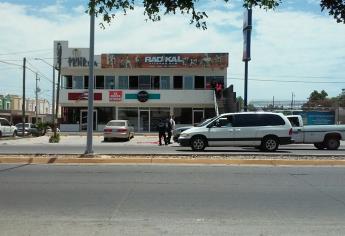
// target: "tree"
[[154, 8], [316, 96], [318, 100]]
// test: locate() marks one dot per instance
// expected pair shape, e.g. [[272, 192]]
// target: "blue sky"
[[296, 48]]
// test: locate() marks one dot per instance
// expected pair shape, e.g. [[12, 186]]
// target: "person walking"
[[170, 128], [162, 128]]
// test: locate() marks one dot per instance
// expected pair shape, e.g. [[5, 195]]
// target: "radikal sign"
[[143, 96], [180, 60], [115, 96]]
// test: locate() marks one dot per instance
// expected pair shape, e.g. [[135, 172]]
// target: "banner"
[[115, 96]]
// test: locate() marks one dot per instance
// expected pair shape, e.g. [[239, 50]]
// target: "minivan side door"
[[220, 131], [6, 128], [245, 129]]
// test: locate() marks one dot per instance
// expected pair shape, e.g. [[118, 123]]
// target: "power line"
[[22, 52], [291, 81]]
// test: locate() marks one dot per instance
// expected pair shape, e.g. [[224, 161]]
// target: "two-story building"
[[141, 88]]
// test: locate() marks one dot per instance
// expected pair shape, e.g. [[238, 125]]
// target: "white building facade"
[[141, 88]]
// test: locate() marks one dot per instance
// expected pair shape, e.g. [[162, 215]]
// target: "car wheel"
[[0, 134], [269, 144], [332, 143], [106, 139], [14, 133], [198, 143], [320, 146]]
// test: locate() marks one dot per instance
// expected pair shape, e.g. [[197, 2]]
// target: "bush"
[[54, 139]]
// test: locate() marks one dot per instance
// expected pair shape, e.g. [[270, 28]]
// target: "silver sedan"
[[118, 129]]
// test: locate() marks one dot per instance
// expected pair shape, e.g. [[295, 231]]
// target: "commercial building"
[[142, 88]]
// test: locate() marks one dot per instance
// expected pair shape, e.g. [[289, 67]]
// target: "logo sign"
[[143, 96], [169, 60], [77, 60], [83, 96], [115, 96], [247, 28]]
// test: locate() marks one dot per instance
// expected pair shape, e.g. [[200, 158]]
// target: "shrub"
[[54, 139]]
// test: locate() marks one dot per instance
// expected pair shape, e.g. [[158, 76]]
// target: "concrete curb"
[[99, 159]]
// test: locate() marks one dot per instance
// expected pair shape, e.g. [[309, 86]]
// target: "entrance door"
[[83, 120], [198, 116], [144, 121]]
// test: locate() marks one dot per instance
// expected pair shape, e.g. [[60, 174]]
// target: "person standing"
[[162, 128], [170, 128]]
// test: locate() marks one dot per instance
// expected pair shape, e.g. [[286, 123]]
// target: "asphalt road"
[[138, 146], [171, 200]]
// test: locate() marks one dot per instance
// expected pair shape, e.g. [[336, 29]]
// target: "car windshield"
[[116, 123], [205, 122], [21, 125]]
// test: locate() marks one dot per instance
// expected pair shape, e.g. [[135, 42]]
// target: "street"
[[171, 200], [142, 145]]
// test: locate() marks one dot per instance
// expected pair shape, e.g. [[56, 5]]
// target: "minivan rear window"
[[247, 120]]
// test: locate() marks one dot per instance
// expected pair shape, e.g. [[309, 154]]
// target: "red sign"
[[169, 60], [84, 96], [115, 96]]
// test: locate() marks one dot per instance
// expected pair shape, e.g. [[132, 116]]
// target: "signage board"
[[143, 96], [115, 96], [247, 29]]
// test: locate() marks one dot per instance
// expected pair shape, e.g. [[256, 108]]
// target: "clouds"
[[290, 43]]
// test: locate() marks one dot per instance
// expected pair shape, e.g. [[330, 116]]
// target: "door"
[[198, 116], [144, 121], [83, 120], [221, 132]]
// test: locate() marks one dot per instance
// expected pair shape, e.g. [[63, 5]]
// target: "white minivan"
[[264, 130], [6, 128]]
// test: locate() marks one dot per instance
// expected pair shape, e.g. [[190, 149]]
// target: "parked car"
[[177, 132], [6, 128], [29, 129], [322, 136], [118, 129], [264, 130]]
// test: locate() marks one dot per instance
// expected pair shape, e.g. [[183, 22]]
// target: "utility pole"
[[23, 103], [53, 101], [247, 29], [59, 52], [37, 91], [89, 150]]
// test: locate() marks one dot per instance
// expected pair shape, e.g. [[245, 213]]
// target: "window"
[[199, 82], [123, 82], [248, 120], [155, 82], [165, 82], [99, 82], [133, 82], [188, 82], [105, 114], [86, 82], [110, 82], [68, 81], [77, 82], [144, 82], [130, 114], [211, 81], [178, 83], [183, 115], [294, 121]]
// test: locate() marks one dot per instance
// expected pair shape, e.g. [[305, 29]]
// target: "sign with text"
[[115, 96], [178, 60]]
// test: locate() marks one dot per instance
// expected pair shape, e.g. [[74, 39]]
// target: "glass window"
[[86, 82], [123, 82], [155, 82], [71, 115], [188, 82], [165, 82], [199, 82], [105, 114], [183, 115], [99, 82], [68, 82], [144, 82], [211, 81], [247, 120], [156, 115], [130, 114], [178, 83], [210, 112], [77, 82], [133, 82], [110, 82]]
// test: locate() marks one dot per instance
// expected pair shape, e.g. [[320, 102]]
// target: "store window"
[[199, 82], [86, 82], [183, 115], [155, 82], [109, 82], [123, 82], [157, 114], [133, 82], [188, 82], [209, 113], [211, 81], [178, 82], [105, 114], [68, 84], [144, 82], [165, 82], [99, 82], [130, 114], [71, 115], [77, 82]]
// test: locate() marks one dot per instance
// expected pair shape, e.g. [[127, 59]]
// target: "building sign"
[[77, 60], [83, 96], [181, 60], [317, 117], [115, 96], [143, 96]]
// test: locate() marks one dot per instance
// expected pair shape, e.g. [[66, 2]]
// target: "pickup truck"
[[322, 136]]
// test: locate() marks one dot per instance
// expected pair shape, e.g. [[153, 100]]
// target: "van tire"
[[14, 133], [332, 143], [269, 144], [0, 134], [320, 146], [198, 143]]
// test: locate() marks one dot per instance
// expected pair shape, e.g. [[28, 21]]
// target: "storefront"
[[141, 88]]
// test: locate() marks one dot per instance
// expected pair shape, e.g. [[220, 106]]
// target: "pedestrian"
[[170, 128], [162, 128]]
